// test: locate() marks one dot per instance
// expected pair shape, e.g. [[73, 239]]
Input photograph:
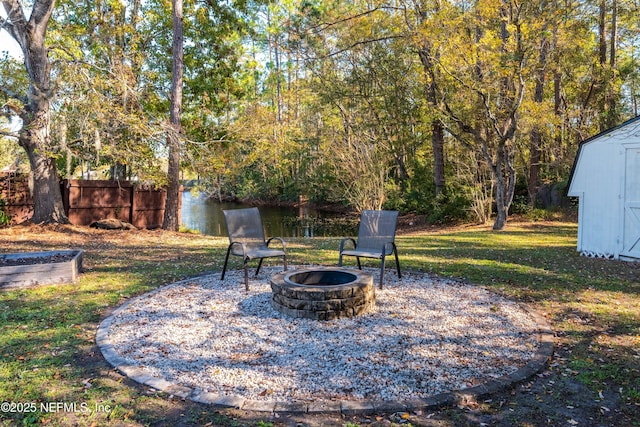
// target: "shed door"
[[631, 247]]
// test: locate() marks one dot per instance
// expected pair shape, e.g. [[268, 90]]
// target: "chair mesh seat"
[[364, 253], [376, 239], [247, 239]]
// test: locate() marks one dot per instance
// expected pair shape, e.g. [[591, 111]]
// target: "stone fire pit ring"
[[323, 293]]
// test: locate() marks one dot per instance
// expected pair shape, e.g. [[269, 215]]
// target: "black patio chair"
[[376, 239], [246, 239]]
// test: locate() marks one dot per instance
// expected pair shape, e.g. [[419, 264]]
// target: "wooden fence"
[[86, 201], [15, 197]]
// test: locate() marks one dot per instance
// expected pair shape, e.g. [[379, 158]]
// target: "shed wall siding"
[[631, 203], [598, 182]]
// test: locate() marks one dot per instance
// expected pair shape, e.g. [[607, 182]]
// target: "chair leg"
[[246, 276], [284, 260], [359, 265], [395, 251], [259, 265], [382, 271], [226, 259], [340, 260]]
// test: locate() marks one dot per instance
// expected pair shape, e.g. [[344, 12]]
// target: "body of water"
[[205, 215]]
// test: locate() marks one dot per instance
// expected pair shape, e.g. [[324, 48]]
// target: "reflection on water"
[[205, 215]]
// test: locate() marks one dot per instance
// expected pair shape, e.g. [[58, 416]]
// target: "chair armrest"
[[389, 244], [243, 246], [343, 241], [282, 242]]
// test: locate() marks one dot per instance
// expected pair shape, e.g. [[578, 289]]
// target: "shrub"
[[5, 219]]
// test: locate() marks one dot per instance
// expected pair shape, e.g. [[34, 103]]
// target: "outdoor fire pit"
[[323, 293]]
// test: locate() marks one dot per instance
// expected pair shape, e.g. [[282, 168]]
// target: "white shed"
[[606, 179]]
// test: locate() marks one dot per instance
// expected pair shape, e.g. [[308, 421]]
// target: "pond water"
[[205, 215]]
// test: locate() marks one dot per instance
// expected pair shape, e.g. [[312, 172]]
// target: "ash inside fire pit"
[[320, 278], [323, 293]]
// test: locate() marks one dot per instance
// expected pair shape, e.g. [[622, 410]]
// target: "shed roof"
[[591, 139]]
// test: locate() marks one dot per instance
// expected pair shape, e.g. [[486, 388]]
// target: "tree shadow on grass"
[[540, 270]]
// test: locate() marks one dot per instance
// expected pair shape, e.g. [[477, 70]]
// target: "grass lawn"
[[49, 361]]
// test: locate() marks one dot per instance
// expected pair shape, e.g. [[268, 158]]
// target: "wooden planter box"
[[39, 268]]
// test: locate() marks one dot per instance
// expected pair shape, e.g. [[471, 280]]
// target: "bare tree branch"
[[15, 23], [11, 94], [358, 43], [40, 16], [6, 25], [318, 28], [8, 134]]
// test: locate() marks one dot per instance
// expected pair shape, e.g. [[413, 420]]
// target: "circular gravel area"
[[211, 341]]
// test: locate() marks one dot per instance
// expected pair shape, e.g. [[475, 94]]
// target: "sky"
[[9, 44]]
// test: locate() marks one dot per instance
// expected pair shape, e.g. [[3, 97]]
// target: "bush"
[[451, 206], [5, 219]]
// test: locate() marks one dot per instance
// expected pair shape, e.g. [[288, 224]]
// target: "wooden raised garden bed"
[[22, 270]]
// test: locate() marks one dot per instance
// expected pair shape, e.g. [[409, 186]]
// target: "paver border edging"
[[346, 407]]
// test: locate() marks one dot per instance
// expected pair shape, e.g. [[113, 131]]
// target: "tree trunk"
[[35, 135], [558, 112], [611, 101], [437, 143], [47, 197], [535, 141], [173, 140], [614, 34], [437, 129], [602, 36], [505, 178], [535, 155]]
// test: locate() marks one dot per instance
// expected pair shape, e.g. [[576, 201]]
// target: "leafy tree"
[[484, 88], [506, 79], [34, 106], [13, 79], [421, 11], [352, 102], [11, 155], [108, 104], [213, 84]]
